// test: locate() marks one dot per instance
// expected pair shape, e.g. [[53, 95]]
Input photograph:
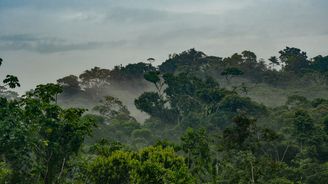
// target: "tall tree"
[[70, 84], [273, 61], [294, 59], [94, 80]]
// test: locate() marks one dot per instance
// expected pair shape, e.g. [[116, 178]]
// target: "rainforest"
[[192, 119], [163, 92]]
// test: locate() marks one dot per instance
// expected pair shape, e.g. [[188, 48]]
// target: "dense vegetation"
[[207, 119]]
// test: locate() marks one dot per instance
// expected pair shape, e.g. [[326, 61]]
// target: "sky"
[[43, 40]]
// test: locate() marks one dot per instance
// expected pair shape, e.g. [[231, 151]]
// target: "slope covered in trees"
[[206, 119]]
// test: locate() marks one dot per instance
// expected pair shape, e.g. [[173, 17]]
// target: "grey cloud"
[[50, 44], [133, 15]]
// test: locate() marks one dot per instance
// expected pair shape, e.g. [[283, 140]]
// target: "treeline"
[[197, 131], [291, 68]]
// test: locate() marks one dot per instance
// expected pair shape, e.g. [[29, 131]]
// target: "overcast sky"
[[43, 40]]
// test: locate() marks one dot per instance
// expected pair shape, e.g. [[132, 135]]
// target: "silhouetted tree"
[[294, 59]]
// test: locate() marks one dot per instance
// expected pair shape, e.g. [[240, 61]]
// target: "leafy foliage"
[[149, 165], [38, 137]]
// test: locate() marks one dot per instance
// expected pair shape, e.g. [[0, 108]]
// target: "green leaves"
[[303, 128], [231, 71], [111, 170], [236, 136], [11, 81], [38, 137], [105, 148], [152, 77], [150, 102], [195, 145], [150, 165], [47, 92], [5, 172], [70, 84], [294, 59], [113, 108], [235, 103]]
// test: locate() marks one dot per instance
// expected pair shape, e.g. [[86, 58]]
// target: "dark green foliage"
[[320, 63], [187, 58], [303, 127], [38, 137], [195, 145], [130, 72], [296, 100], [236, 136], [294, 59], [70, 84], [230, 72], [234, 103], [94, 76], [151, 103], [152, 77], [11, 81], [274, 61], [105, 148], [47, 92]]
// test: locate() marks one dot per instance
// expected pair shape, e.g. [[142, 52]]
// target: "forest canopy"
[[205, 119]]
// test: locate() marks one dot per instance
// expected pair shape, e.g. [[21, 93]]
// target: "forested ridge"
[[193, 119]]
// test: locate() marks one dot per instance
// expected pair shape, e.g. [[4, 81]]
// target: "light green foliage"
[[5, 172], [150, 165], [111, 170]]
